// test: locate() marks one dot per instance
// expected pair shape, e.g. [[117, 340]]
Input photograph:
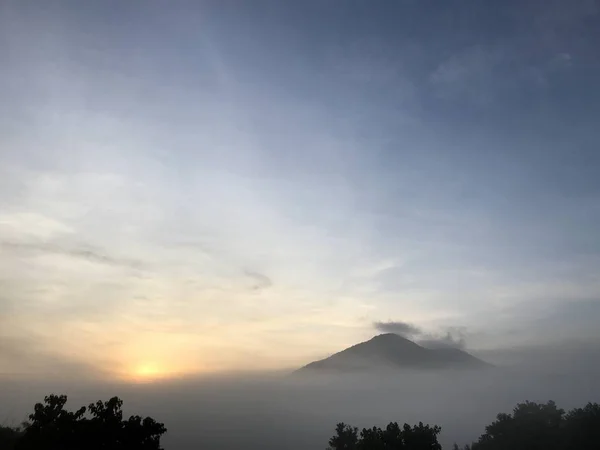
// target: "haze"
[[198, 190]]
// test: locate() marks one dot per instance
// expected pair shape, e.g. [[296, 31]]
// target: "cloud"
[[483, 74], [397, 327], [261, 281], [454, 338], [82, 252], [322, 194], [470, 73], [27, 355]]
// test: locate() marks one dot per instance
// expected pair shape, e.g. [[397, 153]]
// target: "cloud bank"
[[453, 337], [397, 327]]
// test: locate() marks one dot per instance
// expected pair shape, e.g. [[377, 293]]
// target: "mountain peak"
[[389, 350], [389, 337]]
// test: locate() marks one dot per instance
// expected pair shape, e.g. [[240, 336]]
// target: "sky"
[[196, 187]]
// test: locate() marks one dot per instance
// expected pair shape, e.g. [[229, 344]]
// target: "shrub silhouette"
[[51, 427]]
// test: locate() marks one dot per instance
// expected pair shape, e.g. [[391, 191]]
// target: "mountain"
[[393, 351]]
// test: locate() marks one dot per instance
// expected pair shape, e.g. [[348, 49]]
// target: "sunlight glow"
[[148, 372]]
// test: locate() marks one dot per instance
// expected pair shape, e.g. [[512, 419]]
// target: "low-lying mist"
[[279, 410]]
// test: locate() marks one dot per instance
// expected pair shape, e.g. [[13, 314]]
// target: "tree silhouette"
[[531, 426], [9, 437], [345, 438], [54, 428], [534, 426], [421, 437], [393, 437], [582, 427], [371, 438]]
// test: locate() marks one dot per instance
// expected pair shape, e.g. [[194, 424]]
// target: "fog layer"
[[276, 410]]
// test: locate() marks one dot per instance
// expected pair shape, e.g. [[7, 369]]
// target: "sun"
[[147, 372]]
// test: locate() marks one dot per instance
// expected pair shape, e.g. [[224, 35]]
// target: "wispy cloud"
[[82, 252], [261, 281], [470, 74], [396, 327], [22, 356], [455, 337], [452, 337], [273, 191]]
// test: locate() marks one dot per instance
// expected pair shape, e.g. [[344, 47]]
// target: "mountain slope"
[[393, 351]]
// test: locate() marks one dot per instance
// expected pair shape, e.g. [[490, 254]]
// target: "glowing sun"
[[148, 372]]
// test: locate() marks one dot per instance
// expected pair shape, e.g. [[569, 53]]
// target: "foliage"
[[393, 437], [9, 437], [54, 428], [531, 426], [345, 437], [534, 426]]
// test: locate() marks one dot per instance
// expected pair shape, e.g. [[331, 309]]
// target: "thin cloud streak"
[[83, 252]]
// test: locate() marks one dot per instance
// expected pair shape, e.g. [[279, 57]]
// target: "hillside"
[[393, 351]]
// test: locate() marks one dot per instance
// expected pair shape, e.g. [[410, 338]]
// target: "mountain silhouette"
[[393, 351]]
